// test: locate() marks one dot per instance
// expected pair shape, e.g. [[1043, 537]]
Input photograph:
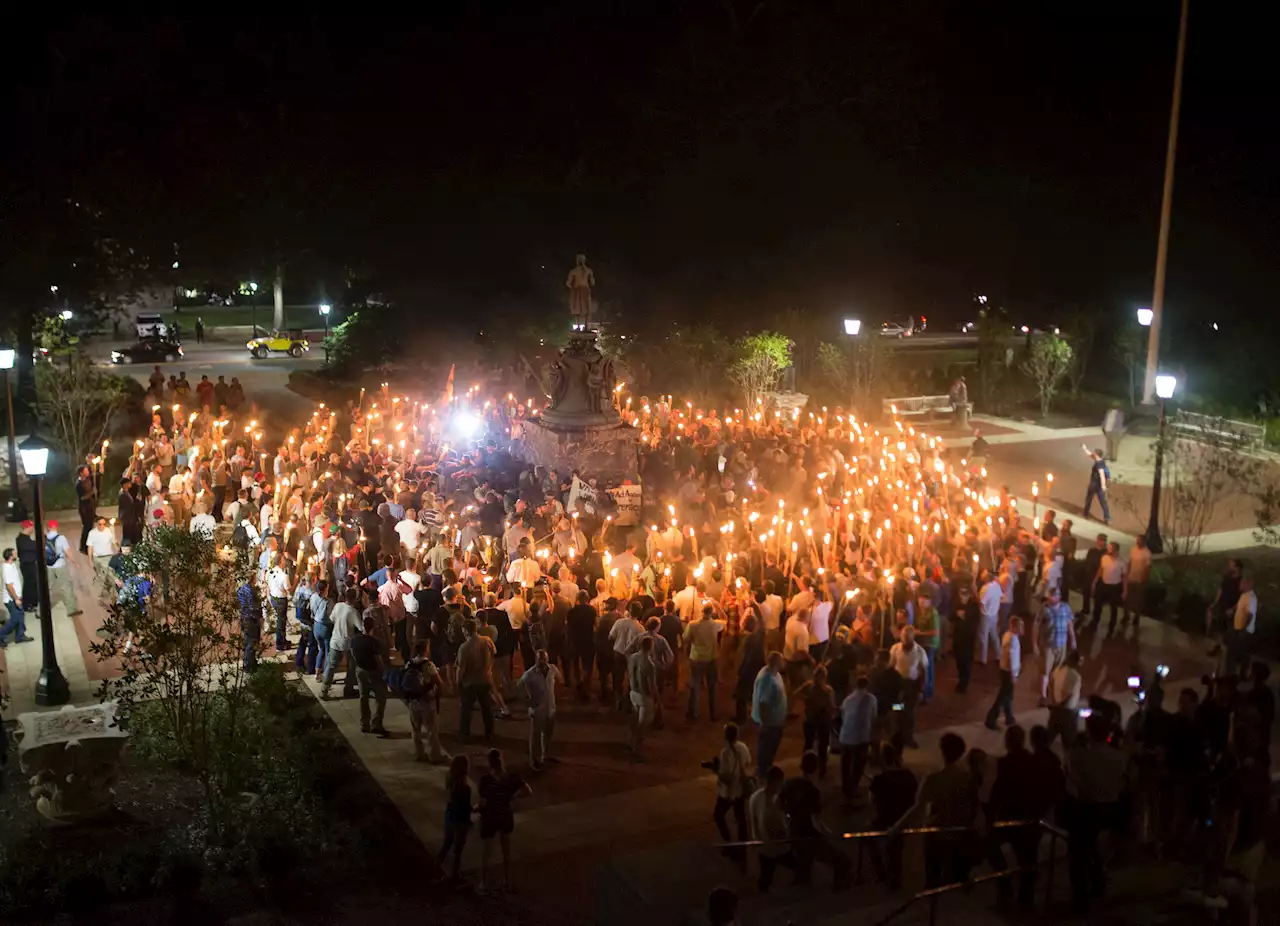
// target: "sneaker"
[[26, 639], [380, 731], [536, 766], [75, 613]]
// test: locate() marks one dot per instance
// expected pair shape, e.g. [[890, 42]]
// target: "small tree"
[[77, 400], [1048, 361], [761, 359], [1199, 477], [857, 368], [993, 337], [1081, 332], [698, 357], [1129, 348], [181, 650]]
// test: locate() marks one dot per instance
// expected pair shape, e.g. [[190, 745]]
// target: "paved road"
[[265, 381]]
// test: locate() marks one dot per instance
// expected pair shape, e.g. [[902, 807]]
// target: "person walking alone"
[[1010, 669], [498, 789], [769, 711], [538, 685], [731, 766]]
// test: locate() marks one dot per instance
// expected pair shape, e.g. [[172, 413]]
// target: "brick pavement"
[[596, 803]]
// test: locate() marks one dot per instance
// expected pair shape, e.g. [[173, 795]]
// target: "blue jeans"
[[252, 630], [767, 744], [16, 624], [1101, 495], [320, 645], [698, 671], [281, 607], [306, 654], [928, 672]]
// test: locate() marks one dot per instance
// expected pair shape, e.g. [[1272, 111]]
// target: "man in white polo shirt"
[[102, 546]]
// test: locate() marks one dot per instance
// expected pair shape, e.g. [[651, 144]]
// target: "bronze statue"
[[579, 284]]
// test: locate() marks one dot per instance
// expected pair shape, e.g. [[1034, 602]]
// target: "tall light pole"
[[1166, 209], [325, 309], [253, 302], [1165, 385], [51, 687], [15, 510]]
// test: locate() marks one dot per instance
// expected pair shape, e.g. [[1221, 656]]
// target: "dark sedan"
[[149, 350]]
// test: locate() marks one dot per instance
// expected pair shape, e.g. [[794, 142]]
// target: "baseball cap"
[[28, 523], [53, 525]]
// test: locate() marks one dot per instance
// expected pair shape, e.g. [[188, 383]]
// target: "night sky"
[[727, 159]]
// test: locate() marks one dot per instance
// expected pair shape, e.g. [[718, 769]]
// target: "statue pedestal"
[[605, 451], [581, 430], [73, 756]]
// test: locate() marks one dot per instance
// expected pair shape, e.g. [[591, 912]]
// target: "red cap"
[[28, 523], [53, 525]]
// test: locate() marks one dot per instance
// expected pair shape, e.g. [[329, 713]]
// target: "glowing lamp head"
[[1165, 385], [6, 359], [852, 326], [1144, 317], [35, 454]]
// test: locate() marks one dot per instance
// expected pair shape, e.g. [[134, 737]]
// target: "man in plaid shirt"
[[1056, 626]]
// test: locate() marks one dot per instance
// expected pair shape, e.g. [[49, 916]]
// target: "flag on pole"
[[448, 386]]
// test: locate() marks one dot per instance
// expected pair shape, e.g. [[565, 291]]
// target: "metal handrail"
[[933, 893], [909, 831]]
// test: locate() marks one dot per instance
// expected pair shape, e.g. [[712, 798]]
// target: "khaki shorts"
[[644, 708], [1053, 658]]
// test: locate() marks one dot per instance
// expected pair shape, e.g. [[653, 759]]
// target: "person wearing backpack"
[[420, 688], [58, 556]]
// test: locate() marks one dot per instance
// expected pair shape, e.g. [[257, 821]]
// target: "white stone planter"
[[72, 756]]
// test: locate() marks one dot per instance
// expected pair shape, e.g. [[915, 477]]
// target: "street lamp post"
[[15, 510], [1166, 210], [1165, 385], [253, 302], [51, 688], [325, 309]]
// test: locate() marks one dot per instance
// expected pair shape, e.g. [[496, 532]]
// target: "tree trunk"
[[278, 292]]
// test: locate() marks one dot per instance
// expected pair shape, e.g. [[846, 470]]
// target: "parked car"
[[291, 342], [149, 350], [897, 329], [150, 325]]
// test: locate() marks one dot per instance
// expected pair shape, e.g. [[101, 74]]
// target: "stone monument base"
[[606, 451]]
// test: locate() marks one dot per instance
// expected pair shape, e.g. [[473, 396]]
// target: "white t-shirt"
[[686, 600], [264, 517], [277, 582], [910, 665], [991, 596], [797, 640], [410, 533], [1112, 569], [771, 610], [820, 622], [517, 611], [1246, 616], [203, 524], [177, 484], [413, 581], [12, 575], [524, 572], [102, 542]]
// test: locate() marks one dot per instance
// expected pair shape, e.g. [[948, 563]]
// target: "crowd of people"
[[803, 566]]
